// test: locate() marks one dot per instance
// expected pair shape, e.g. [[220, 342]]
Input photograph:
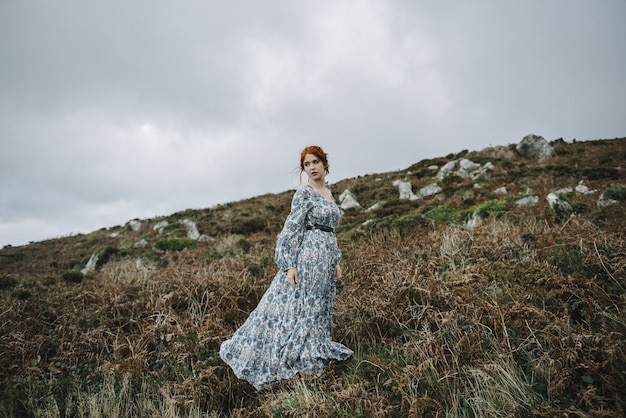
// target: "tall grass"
[[521, 315]]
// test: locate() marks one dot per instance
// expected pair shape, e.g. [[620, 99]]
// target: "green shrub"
[[387, 221], [254, 270], [444, 214], [104, 254], [21, 294], [174, 244], [249, 226], [600, 173], [617, 193], [410, 220], [72, 276], [6, 281], [481, 159], [49, 280], [245, 245], [491, 207], [396, 207]]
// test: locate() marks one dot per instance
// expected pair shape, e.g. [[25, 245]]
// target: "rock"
[[558, 205], [474, 221], [533, 146], [430, 190], [501, 191], [467, 169], [140, 244], [92, 263], [192, 229], [604, 201], [581, 188], [160, 226], [527, 201], [348, 201], [205, 238], [405, 188], [446, 170], [374, 207], [135, 225]]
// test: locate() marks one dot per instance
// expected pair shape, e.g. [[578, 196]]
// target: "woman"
[[289, 332]]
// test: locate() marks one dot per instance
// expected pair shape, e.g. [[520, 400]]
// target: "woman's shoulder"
[[304, 190], [303, 194]]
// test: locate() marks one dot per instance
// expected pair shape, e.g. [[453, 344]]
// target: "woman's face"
[[314, 167]]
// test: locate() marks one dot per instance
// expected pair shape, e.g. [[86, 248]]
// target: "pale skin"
[[315, 170]]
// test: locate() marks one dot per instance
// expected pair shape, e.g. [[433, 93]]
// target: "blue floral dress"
[[290, 330]]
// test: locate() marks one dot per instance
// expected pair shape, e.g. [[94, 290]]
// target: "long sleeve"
[[290, 238]]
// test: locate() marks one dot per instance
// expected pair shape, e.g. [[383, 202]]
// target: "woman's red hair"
[[318, 152]]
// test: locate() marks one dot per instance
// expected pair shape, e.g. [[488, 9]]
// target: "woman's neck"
[[318, 184]]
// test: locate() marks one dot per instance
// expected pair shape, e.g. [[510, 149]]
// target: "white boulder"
[[348, 201], [405, 188]]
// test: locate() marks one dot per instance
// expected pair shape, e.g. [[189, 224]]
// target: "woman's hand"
[[338, 272], [292, 277]]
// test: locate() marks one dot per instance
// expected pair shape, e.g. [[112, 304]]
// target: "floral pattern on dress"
[[290, 330]]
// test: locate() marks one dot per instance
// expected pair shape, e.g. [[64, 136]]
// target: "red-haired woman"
[[290, 331]]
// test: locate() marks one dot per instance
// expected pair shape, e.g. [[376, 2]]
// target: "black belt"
[[320, 227]]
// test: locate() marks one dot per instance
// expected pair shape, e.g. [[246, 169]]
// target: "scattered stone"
[[141, 244], [557, 204], [192, 229], [405, 188], [206, 238], [135, 225], [581, 188], [605, 201], [467, 169], [374, 207], [92, 263], [501, 191], [446, 170], [527, 201], [348, 201], [160, 226], [433, 167], [533, 146], [474, 221], [430, 190]]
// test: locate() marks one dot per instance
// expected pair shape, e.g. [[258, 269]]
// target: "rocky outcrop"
[[559, 205], [467, 169], [430, 190], [348, 201], [533, 146], [405, 188]]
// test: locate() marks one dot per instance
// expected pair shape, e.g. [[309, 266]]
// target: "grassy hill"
[[520, 313]]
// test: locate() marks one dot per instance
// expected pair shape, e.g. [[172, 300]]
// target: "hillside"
[[463, 303]]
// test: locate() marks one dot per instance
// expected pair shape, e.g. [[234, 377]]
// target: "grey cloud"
[[116, 110]]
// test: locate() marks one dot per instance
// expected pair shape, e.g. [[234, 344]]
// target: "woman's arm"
[[290, 238]]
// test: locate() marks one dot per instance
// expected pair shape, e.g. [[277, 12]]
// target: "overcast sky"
[[115, 110]]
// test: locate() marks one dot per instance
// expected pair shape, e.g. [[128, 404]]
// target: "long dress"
[[290, 330]]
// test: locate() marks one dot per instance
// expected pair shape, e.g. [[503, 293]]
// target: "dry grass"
[[522, 315]]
